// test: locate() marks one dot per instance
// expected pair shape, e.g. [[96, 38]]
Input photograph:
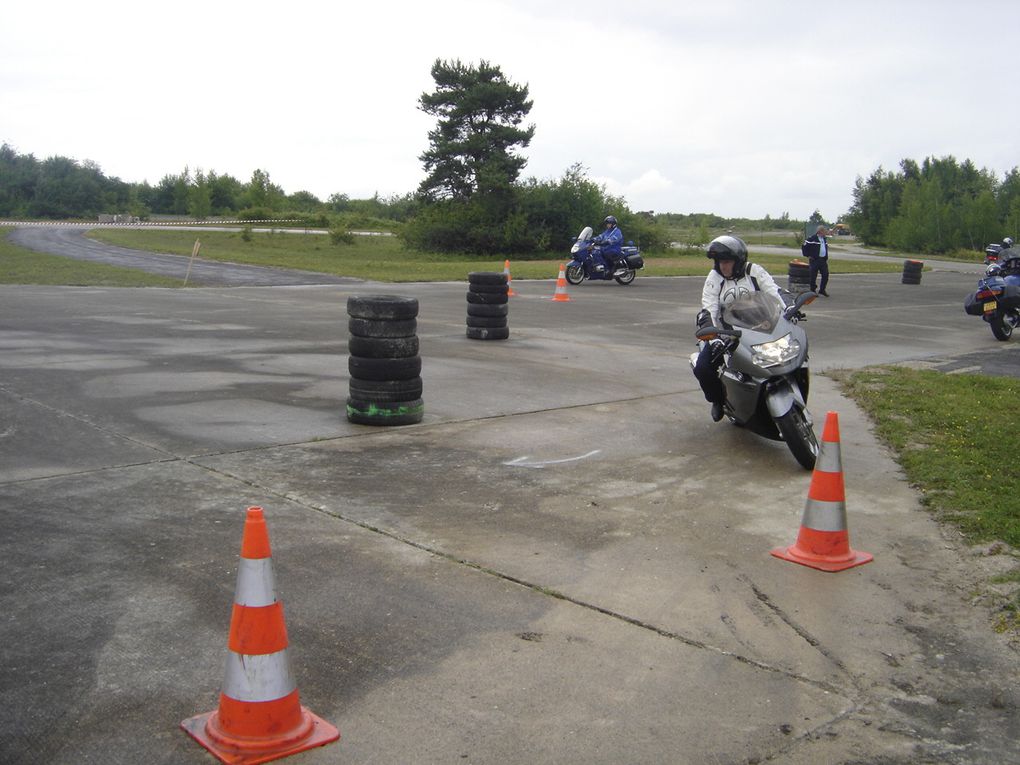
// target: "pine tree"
[[473, 147]]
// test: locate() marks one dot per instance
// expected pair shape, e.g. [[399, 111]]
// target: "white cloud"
[[734, 107]]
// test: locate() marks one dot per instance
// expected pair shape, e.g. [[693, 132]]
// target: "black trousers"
[[706, 369], [818, 266]]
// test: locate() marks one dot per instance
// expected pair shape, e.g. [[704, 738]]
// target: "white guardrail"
[[192, 224]]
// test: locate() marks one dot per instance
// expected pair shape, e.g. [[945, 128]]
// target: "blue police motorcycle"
[[997, 298], [588, 262]]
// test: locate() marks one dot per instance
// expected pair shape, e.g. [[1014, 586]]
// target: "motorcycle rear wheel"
[[626, 278], [1003, 322], [799, 437], [575, 274]]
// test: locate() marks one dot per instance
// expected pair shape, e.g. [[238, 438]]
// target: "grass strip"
[[955, 435], [21, 266], [386, 259]]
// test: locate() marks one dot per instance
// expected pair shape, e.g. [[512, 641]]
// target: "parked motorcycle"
[[588, 262], [765, 370], [997, 298]]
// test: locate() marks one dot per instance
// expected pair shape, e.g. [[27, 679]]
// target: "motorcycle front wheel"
[[626, 278], [799, 437], [1003, 323], [575, 273]]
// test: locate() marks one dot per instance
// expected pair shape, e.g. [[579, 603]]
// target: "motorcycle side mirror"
[[711, 333], [804, 298]]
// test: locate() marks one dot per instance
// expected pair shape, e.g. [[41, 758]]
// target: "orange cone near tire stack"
[[260, 717], [561, 296], [509, 279], [824, 542]]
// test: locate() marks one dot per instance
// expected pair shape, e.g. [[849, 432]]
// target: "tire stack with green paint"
[[487, 306], [384, 364]]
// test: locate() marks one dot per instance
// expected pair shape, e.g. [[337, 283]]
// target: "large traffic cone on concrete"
[[260, 717], [509, 279], [561, 296], [824, 541]]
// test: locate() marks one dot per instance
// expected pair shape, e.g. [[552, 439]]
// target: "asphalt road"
[[565, 562]]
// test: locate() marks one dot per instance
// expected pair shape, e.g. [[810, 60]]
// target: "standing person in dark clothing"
[[816, 250]]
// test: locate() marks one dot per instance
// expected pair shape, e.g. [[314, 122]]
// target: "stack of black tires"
[[384, 364], [488, 306], [912, 271], [799, 276]]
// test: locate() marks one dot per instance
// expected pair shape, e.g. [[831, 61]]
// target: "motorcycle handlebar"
[[711, 333]]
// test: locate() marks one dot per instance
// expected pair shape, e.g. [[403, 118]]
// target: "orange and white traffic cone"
[[509, 279], [260, 717], [561, 296], [824, 542]]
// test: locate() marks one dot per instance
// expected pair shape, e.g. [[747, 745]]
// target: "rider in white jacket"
[[730, 278]]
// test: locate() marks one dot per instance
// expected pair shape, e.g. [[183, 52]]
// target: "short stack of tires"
[[799, 277], [384, 364], [487, 306], [912, 271]]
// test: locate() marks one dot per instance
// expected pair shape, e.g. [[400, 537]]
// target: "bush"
[[341, 236]]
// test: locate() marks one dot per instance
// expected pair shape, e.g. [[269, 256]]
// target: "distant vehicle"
[[841, 229], [992, 253]]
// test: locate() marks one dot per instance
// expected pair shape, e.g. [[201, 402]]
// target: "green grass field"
[[21, 266], [384, 258], [949, 433]]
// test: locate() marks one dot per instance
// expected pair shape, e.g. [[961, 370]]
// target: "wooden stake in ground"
[[194, 254]]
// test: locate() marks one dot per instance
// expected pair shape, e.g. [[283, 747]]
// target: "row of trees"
[[529, 216], [59, 187], [939, 205]]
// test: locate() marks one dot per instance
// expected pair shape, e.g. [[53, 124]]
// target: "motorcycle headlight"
[[777, 352]]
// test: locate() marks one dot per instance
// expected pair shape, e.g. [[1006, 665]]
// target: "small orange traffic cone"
[[561, 296], [260, 717], [824, 542], [509, 279]]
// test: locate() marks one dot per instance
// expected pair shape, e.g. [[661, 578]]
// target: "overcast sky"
[[735, 107]]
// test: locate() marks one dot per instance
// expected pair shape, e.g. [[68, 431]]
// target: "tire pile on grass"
[[384, 364], [487, 306]]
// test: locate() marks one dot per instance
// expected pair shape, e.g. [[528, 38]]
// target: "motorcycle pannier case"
[[1011, 299], [635, 261], [972, 305]]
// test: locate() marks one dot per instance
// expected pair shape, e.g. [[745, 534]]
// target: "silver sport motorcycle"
[[765, 370]]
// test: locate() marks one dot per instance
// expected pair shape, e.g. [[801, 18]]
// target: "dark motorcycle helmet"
[[609, 221], [728, 247]]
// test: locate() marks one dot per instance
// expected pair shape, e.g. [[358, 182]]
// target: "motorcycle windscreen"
[[755, 310]]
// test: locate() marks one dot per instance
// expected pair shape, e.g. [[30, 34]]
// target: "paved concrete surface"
[[566, 562]]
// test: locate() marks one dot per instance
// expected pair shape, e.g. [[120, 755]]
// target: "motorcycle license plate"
[[990, 306]]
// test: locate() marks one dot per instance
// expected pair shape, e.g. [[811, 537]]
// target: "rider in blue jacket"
[[611, 242]]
